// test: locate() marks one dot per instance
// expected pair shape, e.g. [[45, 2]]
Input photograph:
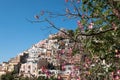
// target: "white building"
[[28, 69]]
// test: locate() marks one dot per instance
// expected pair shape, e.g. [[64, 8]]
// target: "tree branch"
[[52, 25], [98, 33], [37, 21]]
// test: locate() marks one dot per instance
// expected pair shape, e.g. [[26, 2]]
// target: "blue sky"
[[16, 33]]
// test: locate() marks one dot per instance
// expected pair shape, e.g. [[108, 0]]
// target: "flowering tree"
[[101, 31], [98, 34]]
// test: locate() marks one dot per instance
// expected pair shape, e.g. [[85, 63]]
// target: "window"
[[39, 72], [69, 68], [29, 67], [28, 71]]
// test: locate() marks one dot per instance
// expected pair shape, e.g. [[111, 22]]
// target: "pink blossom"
[[79, 25], [118, 72], [63, 68], [74, 67], [67, 10], [36, 17], [72, 74], [59, 77], [78, 1], [83, 16], [117, 77], [43, 69], [47, 72], [66, 0], [62, 51], [90, 25], [70, 50], [117, 55], [112, 73]]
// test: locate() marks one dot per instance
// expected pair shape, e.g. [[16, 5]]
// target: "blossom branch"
[[98, 33]]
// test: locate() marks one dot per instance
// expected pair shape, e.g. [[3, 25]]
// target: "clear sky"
[[16, 33]]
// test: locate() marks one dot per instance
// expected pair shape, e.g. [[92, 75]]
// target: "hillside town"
[[88, 50], [51, 57]]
